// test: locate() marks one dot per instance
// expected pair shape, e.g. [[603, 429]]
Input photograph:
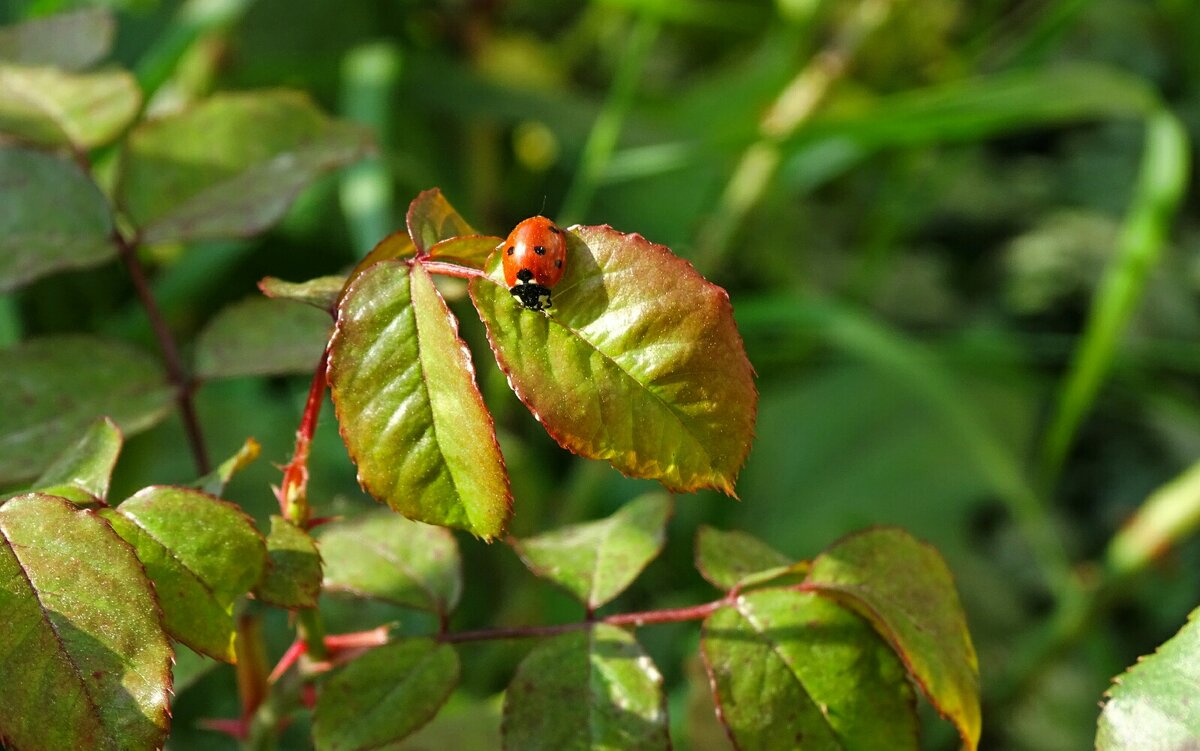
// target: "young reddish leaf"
[[387, 557], [639, 362], [231, 165], [201, 553], [262, 337], [596, 561], [467, 250], [72, 41], [51, 107], [321, 293], [86, 664], [52, 217], [81, 474], [585, 690], [792, 670], [293, 575], [52, 389], [902, 586], [1154, 703], [408, 407], [730, 559], [384, 695], [396, 245], [432, 219]]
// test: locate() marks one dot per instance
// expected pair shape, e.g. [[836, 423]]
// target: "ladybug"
[[535, 257]]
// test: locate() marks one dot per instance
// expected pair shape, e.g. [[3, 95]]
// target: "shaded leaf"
[[596, 561], [384, 695], [202, 553], [468, 250], [729, 559], [432, 219], [51, 107], [81, 473], [84, 659], [230, 166], [51, 389], [387, 557], [321, 293], [408, 407], [639, 362], [52, 217], [791, 670], [73, 40], [214, 482], [293, 576], [588, 689], [902, 586], [257, 337], [1153, 704]]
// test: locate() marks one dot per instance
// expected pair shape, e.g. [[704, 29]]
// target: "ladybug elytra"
[[535, 257]]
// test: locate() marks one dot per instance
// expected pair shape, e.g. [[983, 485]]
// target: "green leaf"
[[792, 670], [639, 362], [51, 107], [81, 473], [396, 245], [409, 410], [596, 561], [259, 337], [52, 389], [84, 659], [52, 217], [293, 576], [387, 557], [1153, 703], [230, 166], [469, 250], [902, 586], [432, 219], [72, 40], [214, 482], [321, 293], [585, 690], [384, 695], [730, 559], [202, 553]]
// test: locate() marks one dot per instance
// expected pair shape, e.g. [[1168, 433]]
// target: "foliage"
[[957, 248]]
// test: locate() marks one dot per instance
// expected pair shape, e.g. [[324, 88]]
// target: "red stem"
[[450, 269], [293, 492], [183, 383]]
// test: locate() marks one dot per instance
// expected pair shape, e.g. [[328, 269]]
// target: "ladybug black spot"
[[555, 230], [558, 263], [539, 249], [511, 249]]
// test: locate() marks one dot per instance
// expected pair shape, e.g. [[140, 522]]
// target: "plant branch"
[[293, 491], [449, 269], [183, 383]]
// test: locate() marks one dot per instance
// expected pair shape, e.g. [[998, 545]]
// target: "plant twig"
[[293, 490], [183, 383], [450, 269]]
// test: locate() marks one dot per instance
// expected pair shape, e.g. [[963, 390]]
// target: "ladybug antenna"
[[543, 209]]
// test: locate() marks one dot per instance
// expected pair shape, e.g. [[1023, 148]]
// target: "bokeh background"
[[913, 205]]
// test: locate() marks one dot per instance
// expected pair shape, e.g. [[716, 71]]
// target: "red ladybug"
[[535, 257]]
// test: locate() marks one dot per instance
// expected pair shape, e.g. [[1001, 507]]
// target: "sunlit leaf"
[[409, 410], [81, 473], [1153, 705], [201, 553], [258, 337], [792, 670], [596, 561], [52, 107], [72, 40], [469, 250], [585, 690], [384, 695], [321, 293], [293, 576], [52, 217], [639, 362], [902, 586], [84, 659], [384, 556], [729, 559], [231, 165], [432, 219], [51, 389]]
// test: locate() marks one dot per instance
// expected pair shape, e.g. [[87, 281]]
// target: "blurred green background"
[[915, 207]]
